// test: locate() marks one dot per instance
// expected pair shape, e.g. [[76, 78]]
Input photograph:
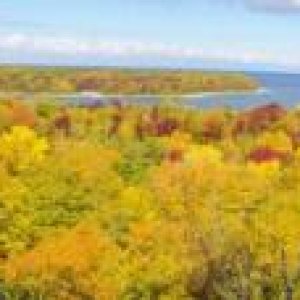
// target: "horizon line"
[[154, 67]]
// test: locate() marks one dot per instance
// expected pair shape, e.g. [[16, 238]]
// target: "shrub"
[[20, 148]]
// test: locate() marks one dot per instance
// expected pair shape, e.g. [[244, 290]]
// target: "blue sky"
[[234, 34]]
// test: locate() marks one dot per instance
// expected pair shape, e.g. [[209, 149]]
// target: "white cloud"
[[81, 46], [71, 47], [278, 6]]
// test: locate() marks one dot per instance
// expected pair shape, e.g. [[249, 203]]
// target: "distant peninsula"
[[115, 81]]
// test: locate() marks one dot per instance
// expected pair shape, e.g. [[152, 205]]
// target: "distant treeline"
[[120, 81]]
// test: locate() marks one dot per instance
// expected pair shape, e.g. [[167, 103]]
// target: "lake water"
[[276, 87]]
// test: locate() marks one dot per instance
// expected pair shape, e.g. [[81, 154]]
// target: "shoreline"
[[96, 95], [261, 90]]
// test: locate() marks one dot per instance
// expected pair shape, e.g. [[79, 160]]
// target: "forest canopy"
[[121, 81], [131, 202]]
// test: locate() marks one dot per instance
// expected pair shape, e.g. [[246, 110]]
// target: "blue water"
[[283, 89]]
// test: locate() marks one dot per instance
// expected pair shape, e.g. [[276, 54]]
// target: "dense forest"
[[127, 202], [120, 81]]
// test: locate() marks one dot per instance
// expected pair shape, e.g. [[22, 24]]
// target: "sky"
[[218, 34]]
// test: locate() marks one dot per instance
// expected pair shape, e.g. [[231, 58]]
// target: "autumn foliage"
[[259, 118], [120, 81], [133, 202]]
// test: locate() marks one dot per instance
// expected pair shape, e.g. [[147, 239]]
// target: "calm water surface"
[[280, 88]]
